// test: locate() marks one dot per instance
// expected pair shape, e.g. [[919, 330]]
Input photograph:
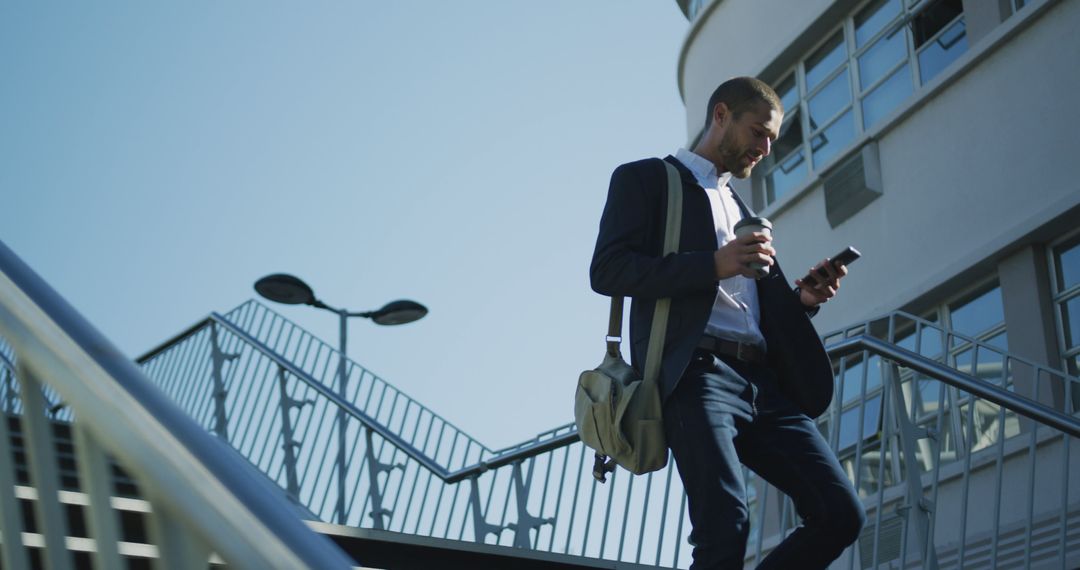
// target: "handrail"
[[235, 509], [518, 453], [937, 371], [527, 450], [334, 397], [276, 395], [163, 346], [850, 345]]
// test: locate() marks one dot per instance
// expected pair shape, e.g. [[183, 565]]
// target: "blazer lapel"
[[746, 211]]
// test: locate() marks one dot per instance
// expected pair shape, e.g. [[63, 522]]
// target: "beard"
[[733, 156]]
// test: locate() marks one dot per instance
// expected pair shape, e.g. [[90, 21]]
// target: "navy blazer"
[[628, 262]]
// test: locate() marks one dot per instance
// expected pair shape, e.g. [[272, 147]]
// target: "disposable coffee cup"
[[748, 226]]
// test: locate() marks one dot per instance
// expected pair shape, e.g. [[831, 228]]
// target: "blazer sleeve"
[[627, 260]]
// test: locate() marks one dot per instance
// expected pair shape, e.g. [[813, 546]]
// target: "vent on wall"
[[852, 184], [888, 547]]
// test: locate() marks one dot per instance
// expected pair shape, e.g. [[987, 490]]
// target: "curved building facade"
[[935, 136]]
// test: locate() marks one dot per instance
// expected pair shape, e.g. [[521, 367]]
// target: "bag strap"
[[672, 229]]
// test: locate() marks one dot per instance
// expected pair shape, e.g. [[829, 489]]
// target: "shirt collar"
[[703, 169]]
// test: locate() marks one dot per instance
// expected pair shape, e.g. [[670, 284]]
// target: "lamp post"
[[290, 290]]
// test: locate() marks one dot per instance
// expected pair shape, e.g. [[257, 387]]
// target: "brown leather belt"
[[740, 350]]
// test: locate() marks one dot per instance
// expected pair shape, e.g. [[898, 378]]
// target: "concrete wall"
[[738, 37]]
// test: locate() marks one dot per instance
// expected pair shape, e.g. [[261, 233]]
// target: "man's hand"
[[814, 295], [737, 255]]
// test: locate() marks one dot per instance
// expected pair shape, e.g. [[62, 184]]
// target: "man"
[[743, 370]]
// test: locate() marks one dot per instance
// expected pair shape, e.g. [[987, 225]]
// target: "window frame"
[[1060, 298], [901, 23]]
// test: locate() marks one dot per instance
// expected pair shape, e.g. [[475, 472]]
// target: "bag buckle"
[[601, 467]]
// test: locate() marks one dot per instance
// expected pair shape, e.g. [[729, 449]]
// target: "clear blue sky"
[[157, 158]]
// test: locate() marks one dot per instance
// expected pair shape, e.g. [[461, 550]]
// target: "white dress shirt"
[[735, 314]]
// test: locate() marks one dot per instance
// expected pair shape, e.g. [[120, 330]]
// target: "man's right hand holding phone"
[[823, 280], [817, 291]]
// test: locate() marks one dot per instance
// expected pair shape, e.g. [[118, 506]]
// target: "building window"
[[940, 37], [870, 64], [789, 166], [1065, 259]]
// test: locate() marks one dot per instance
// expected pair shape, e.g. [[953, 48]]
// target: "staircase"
[[946, 419], [963, 455]]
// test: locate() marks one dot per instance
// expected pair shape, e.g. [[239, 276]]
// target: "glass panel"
[[986, 424], [989, 367], [787, 176], [873, 375], [871, 19], [979, 314], [852, 385], [942, 51], [930, 393], [827, 58], [930, 342], [933, 19], [1067, 260], [849, 422], [1000, 340], [1070, 322], [790, 136], [870, 469], [823, 426], [880, 58], [830, 141], [963, 361], [789, 95], [946, 438], [1072, 389], [830, 100], [848, 428], [872, 419]]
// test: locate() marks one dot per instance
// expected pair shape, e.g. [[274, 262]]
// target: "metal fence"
[[923, 417]]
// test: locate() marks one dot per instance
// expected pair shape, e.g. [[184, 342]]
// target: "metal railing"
[[274, 385], [267, 387], [960, 450], [203, 499]]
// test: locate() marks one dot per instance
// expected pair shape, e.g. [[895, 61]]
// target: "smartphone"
[[845, 257]]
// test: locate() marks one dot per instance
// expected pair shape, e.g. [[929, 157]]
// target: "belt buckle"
[[742, 354]]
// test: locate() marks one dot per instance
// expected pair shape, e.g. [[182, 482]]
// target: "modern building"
[[934, 136]]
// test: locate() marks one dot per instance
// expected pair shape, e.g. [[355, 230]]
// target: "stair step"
[[389, 550]]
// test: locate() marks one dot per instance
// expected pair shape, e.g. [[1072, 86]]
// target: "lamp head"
[[284, 288], [399, 313]]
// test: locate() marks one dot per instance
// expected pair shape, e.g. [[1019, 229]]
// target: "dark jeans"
[[725, 412]]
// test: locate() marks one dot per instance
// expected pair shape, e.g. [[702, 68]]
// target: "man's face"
[[748, 138]]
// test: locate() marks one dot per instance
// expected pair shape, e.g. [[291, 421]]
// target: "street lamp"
[[291, 290]]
